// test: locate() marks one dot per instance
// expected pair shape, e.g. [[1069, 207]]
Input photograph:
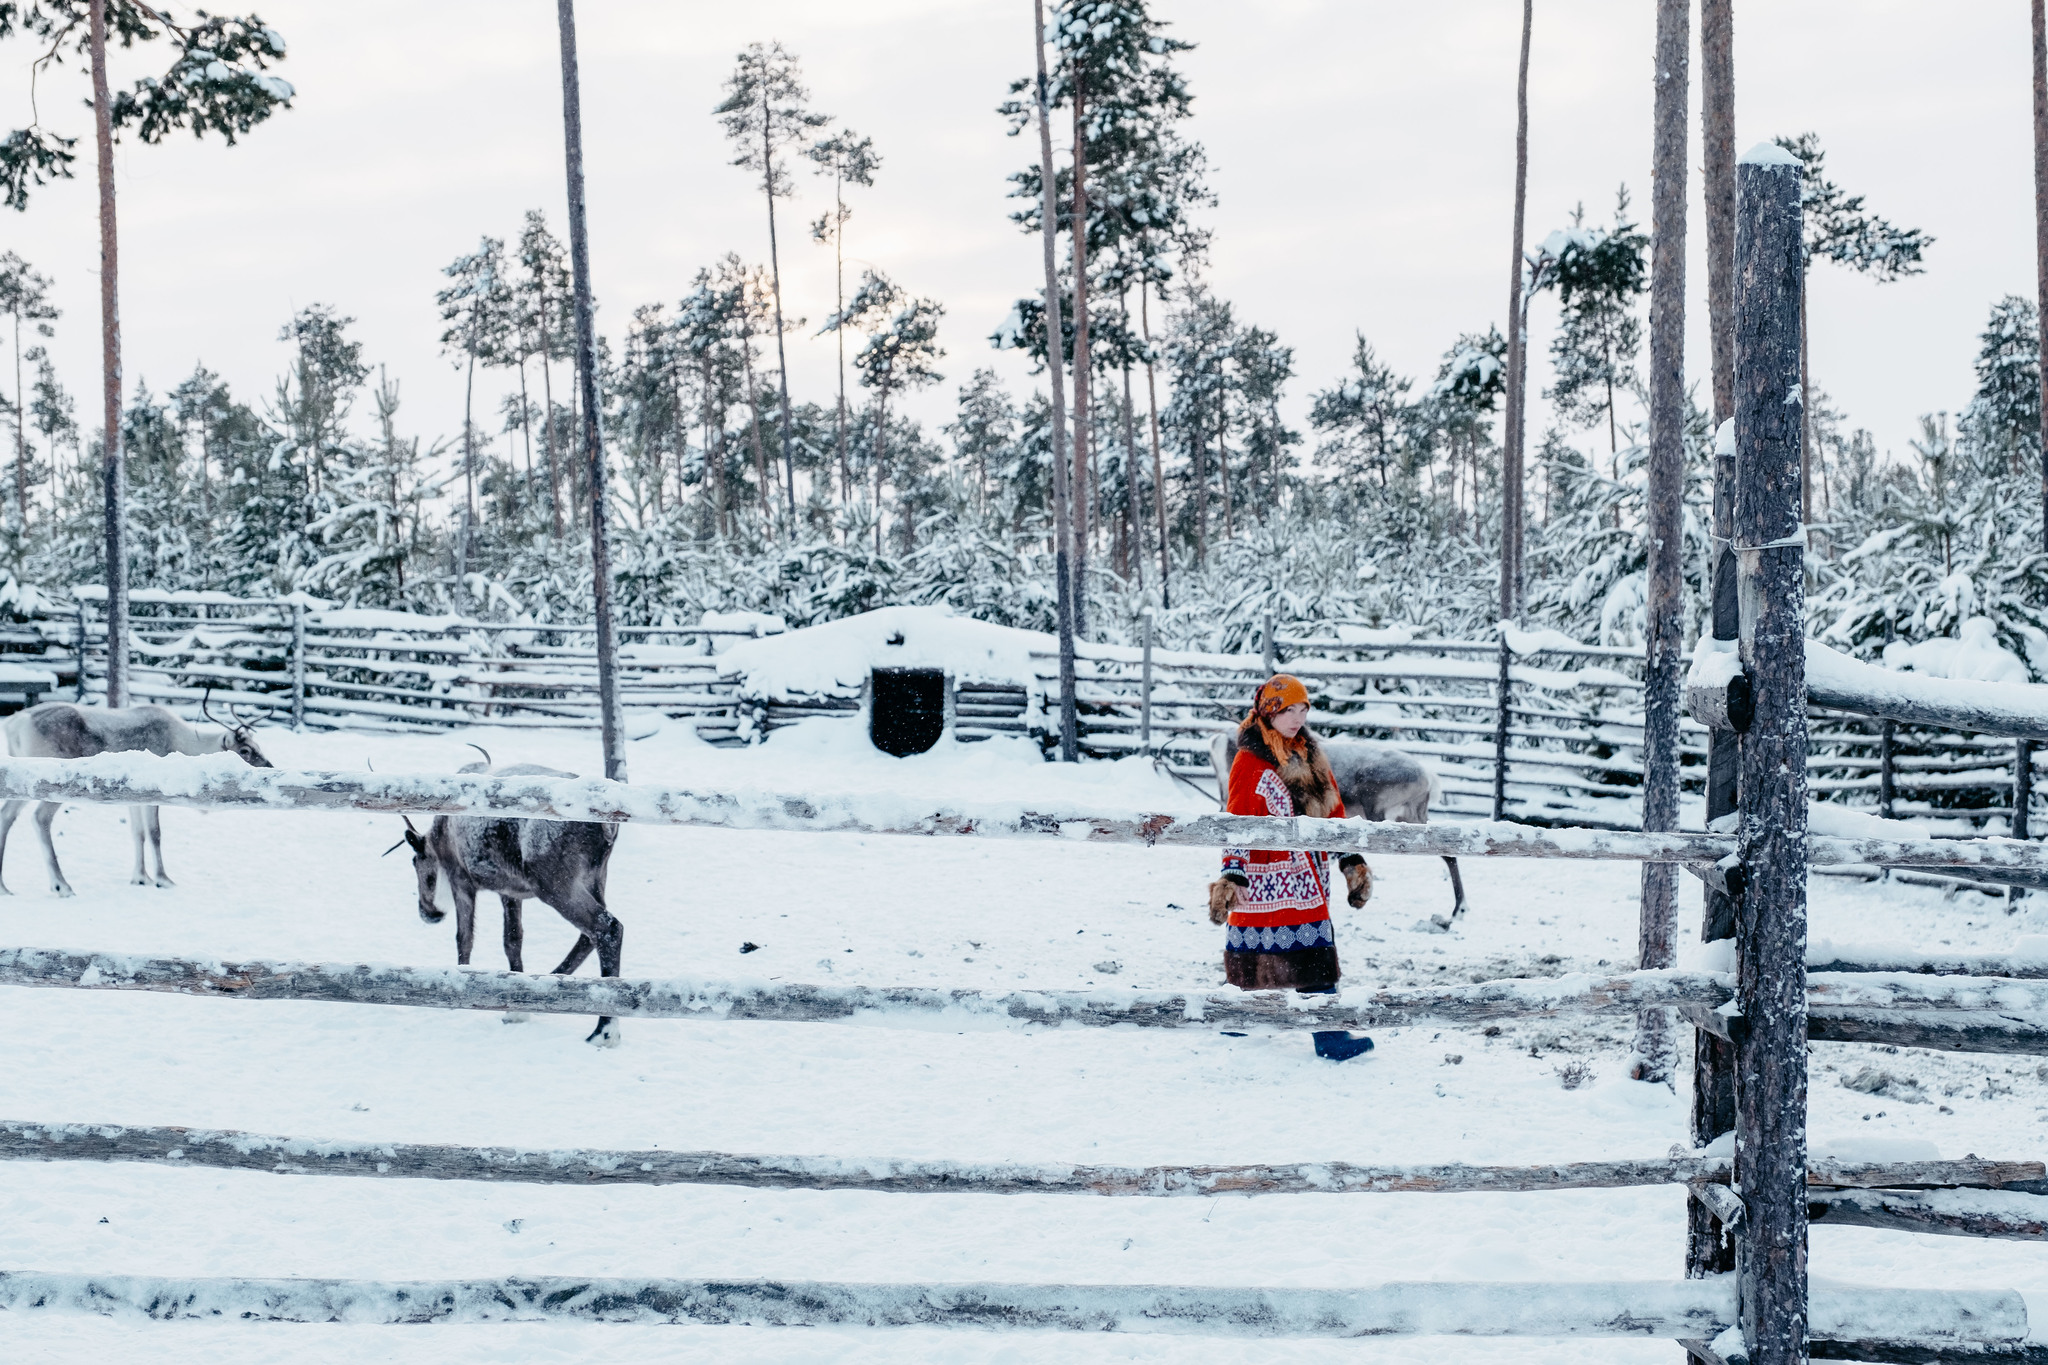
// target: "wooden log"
[[230, 1150], [225, 783], [1685, 1309], [2004, 1214], [1941, 1030], [1903, 1353], [227, 1150], [695, 998], [1770, 919], [2012, 710], [1724, 1203], [1879, 959]]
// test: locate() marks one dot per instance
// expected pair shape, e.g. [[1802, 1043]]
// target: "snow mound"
[[839, 655], [1974, 655]]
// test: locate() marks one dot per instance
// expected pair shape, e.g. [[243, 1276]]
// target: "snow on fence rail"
[[223, 781], [1948, 1013], [226, 1149], [1671, 1310]]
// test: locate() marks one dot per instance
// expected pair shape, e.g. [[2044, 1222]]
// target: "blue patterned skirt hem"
[[1280, 938]]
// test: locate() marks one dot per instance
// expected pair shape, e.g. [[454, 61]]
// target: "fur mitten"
[[1358, 877], [1222, 899]]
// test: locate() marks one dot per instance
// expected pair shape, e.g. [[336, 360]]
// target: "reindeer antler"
[[410, 835], [206, 706], [489, 762]]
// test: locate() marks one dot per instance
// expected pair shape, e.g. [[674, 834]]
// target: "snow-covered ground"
[[880, 910]]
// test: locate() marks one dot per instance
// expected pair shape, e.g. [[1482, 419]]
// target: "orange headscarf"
[[1277, 693]]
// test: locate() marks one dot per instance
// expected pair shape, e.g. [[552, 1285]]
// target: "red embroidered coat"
[[1284, 887]]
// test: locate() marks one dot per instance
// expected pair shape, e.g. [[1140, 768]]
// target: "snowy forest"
[[729, 491]]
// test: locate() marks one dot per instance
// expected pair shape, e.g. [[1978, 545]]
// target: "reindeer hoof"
[[606, 1034], [164, 881], [138, 880]]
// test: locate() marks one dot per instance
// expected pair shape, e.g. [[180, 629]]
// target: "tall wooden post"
[[1062, 495], [113, 463], [1717, 171], [298, 665], [1710, 1248], [2041, 235], [1511, 424], [1657, 928], [611, 723], [1770, 916], [1145, 688], [1502, 694], [2022, 807]]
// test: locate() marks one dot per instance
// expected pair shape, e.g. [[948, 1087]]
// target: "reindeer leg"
[[515, 944], [585, 910], [140, 877], [154, 818], [515, 933], [464, 895], [46, 813], [1457, 888], [9, 813]]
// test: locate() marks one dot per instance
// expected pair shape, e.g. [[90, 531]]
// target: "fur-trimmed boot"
[[1358, 877]]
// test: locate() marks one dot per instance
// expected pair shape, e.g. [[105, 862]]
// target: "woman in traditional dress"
[[1277, 902]]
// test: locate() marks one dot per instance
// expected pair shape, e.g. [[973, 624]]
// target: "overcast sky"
[[1363, 153]]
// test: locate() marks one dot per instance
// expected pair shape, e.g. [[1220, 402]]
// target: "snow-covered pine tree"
[[765, 112], [1364, 423], [1839, 229], [544, 308], [217, 81], [24, 297], [849, 159], [1599, 275], [708, 335], [984, 427], [2003, 419], [902, 344], [479, 308], [376, 523]]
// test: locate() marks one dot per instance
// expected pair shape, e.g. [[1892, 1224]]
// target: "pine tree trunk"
[[1134, 521], [881, 452], [1805, 414], [526, 424], [1717, 139], [1657, 936], [20, 435], [547, 396], [1062, 521], [2041, 236], [1084, 490], [114, 468], [781, 351], [1223, 465], [1158, 473], [468, 465], [1511, 453], [839, 332], [760, 450], [611, 721]]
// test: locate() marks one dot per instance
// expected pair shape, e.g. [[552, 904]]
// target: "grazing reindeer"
[[1377, 781], [559, 862], [58, 729]]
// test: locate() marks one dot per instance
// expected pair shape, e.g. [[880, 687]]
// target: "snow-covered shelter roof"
[[838, 656]]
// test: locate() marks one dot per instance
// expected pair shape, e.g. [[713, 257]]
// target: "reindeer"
[[559, 862], [1377, 781], [59, 729]]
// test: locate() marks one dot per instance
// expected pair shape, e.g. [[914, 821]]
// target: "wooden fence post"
[[1770, 937], [2022, 806], [1709, 1248], [1145, 688], [1500, 731], [81, 651], [1887, 742], [298, 666]]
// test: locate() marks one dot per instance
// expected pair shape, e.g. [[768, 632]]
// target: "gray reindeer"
[[561, 863], [58, 729], [1377, 781]]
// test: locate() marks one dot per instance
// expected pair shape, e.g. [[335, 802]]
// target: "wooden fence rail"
[[225, 783], [1957, 1014], [1671, 1310], [239, 1151]]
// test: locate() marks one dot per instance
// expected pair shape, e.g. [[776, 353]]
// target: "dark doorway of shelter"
[[908, 711]]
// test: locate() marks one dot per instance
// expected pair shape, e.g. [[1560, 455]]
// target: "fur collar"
[[1302, 765]]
